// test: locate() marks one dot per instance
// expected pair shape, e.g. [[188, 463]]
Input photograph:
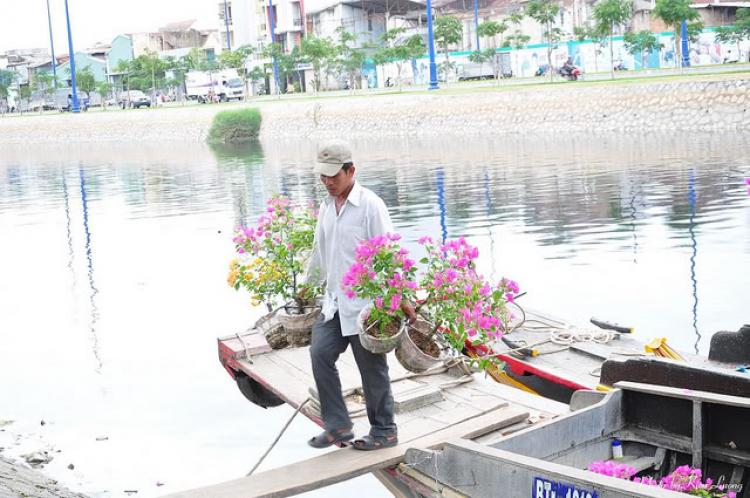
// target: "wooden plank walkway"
[[344, 464]]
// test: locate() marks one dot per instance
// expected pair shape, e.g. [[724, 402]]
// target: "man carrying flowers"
[[348, 215]]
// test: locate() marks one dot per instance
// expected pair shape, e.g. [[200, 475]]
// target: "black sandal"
[[370, 443], [326, 439]]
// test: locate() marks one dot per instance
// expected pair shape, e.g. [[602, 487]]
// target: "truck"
[[474, 71], [225, 85]]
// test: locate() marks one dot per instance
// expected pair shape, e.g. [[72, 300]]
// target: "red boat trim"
[[519, 367]]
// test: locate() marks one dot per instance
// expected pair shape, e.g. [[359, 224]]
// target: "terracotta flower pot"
[[410, 356], [298, 323], [378, 343]]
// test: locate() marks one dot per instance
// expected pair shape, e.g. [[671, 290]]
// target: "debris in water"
[[37, 458]]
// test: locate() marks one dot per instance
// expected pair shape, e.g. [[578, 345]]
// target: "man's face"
[[339, 183]]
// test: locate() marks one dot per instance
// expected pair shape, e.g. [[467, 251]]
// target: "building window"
[[369, 24]]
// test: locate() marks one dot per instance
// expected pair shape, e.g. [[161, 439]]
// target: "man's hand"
[[408, 310]]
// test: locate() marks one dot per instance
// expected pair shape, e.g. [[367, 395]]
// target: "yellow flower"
[[232, 278], [257, 261], [256, 303], [233, 263]]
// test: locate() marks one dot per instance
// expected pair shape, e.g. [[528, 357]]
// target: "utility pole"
[[273, 40], [52, 45], [76, 108], [476, 23], [431, 37]]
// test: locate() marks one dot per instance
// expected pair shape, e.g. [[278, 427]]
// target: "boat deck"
[[578, 365], [425, 402], [431, 408]]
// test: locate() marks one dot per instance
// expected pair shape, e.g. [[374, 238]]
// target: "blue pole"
[[684, 50], [76, 108], [226, 20], [476, 23], [52, 44], [273, 40], [433, 66]]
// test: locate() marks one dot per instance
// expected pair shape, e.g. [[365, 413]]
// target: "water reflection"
[[606, 226], [691, 200], [90, 264]]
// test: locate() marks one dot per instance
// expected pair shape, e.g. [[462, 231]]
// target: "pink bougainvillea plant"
[[684, 479], [384, 274], [462, 303], [272, 255]]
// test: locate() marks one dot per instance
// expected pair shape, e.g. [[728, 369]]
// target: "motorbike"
[[570, 73]]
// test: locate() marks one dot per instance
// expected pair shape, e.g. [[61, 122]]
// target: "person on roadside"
[[349, 214]]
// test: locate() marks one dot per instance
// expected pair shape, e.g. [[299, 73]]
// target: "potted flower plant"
[[684, 479], [271, 262], [462, 304], [384, 274]]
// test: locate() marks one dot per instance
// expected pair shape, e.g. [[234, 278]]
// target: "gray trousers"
[[326, 347]]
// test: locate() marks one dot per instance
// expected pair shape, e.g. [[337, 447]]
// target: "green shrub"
[[238, 125]]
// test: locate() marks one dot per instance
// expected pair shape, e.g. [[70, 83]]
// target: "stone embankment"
[[710, 103], [17, 481]]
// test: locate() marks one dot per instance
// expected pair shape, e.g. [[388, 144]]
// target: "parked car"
[[134, 99]]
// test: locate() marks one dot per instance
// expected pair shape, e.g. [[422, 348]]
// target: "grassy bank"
[[236, 125]]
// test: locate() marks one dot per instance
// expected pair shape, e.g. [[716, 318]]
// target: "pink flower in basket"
[[384, 274]]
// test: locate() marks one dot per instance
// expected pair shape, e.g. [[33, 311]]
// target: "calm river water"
[[113, 263]]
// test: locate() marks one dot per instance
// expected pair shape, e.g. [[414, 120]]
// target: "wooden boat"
[[557, 370], [660, 428], [443, 403]]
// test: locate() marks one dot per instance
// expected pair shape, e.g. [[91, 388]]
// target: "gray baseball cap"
[[331, 156]]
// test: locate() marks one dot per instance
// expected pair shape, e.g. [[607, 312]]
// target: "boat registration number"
[[544, 488]]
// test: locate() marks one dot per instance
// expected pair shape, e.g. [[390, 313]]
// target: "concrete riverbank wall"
[[716, 103]]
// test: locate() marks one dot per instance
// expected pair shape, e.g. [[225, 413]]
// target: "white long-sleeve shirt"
[[364, 215]]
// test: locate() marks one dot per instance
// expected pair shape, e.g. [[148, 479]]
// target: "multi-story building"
[[183, 34]]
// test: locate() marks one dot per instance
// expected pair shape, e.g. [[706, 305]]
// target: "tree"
[[607, 15], [237, 59], [349, 60], [643, 43], [729, 34], [588, 32], [481, 57], [6, 80], [257, 73], [399, 49], [24, 93], [124, 67], [179, 68], [673, 12], [491, 29], [287, 63], [694, 30], [447, 31], [318, 52], [45, 82], [104, 90], [545, 12], [151, 63], [518, 41], [85, 80]]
